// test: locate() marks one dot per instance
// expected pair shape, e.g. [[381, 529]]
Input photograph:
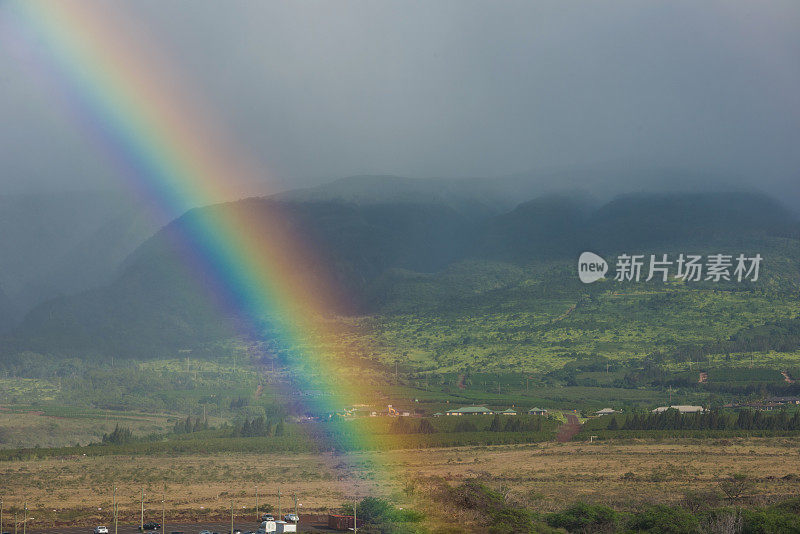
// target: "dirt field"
[[545, 476]]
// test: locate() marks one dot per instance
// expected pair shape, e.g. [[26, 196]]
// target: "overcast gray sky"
[[322, 89]]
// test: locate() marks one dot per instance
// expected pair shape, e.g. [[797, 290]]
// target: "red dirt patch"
[[568, 430]]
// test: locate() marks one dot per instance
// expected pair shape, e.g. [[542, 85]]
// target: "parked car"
[[267, 517], [100, 530], [206, 532], [291, 518], [150, 526]]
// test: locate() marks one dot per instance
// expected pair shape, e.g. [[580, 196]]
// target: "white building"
[[681, 408], [606, 411]]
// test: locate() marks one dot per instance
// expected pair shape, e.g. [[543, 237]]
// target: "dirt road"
[[569, 430]]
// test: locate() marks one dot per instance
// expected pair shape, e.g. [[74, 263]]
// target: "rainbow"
[[132, 107]]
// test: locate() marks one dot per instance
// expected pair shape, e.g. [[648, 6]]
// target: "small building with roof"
[[470, 410], [510, 411], [537, 411], [606, 411], [681, 408], [784, 400]]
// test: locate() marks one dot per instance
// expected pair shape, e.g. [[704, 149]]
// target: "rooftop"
[[471, 409], [681, 408]]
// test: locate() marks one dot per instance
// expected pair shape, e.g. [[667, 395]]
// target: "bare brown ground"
[[545, 477]]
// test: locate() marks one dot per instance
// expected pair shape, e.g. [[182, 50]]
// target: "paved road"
[[307, 524]]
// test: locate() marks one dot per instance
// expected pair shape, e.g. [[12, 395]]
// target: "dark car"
[[150, 526]]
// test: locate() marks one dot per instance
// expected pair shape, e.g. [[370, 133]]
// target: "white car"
[[291, 518], [100, 530]]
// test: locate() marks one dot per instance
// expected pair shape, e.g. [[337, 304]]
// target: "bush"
[[736, 486], [664, 520], [426, 427], [474, 495], [465, 426], [511, 520], [383, 516], [777, 519], [582, 517]]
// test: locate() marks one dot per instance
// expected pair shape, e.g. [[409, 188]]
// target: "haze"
[[320, 90]]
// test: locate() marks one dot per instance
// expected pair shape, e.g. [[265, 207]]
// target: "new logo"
[[591, 267]]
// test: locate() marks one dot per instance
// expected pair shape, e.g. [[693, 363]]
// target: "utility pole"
[[355, 516], [141, 521], [279, 505], [231, 516], [257, 518], [164, 508], [116, 511], [1, 515], [15, 523], [25, 520], [295, 505]]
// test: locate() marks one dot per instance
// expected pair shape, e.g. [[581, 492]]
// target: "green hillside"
[[445, 291], [510, 321]]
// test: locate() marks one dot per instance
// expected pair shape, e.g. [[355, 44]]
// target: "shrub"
[[736, 486], [465, 426], [582, 517], [664, 520]]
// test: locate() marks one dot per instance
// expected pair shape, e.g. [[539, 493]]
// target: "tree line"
[[710, 420], [258, 427]]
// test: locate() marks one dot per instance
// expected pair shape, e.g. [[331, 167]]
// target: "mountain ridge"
[[159, 299]]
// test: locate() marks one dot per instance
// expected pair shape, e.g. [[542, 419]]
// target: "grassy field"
[[544, 477], [22, 426]]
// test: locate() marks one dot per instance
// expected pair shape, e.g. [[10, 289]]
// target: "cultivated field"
[[544, 477]]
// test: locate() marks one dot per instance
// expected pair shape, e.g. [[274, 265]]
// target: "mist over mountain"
[[500, 194], [381, 239], [8, 314], [63, 243]]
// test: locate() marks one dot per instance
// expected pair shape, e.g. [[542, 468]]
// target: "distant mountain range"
[[493, 196], [375, 232]]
